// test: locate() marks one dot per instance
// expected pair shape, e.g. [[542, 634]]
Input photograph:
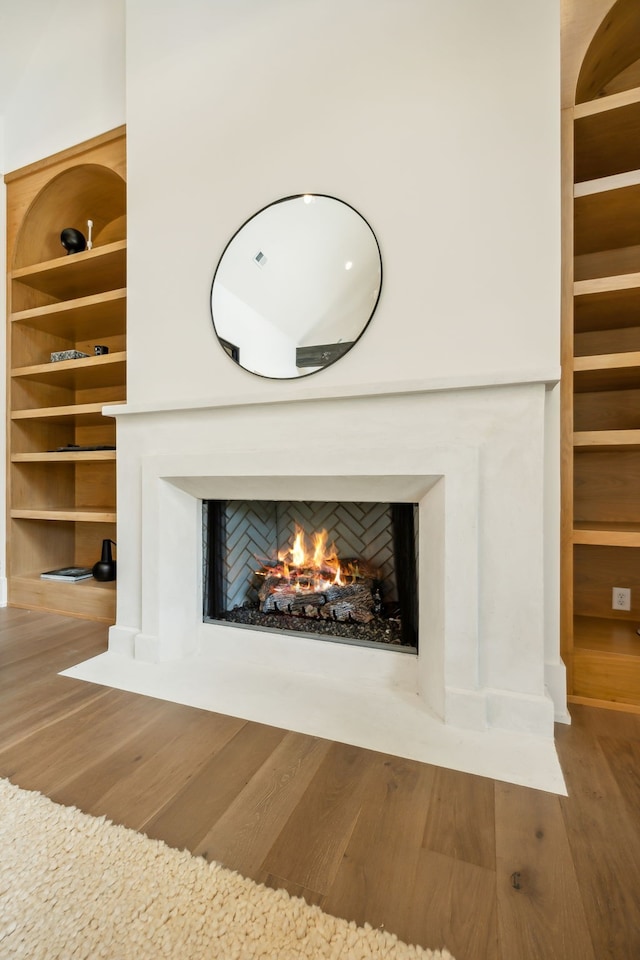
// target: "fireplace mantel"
[[299, 393], [471, 455]]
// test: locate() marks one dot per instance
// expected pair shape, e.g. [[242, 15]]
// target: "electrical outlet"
[[621, 599]]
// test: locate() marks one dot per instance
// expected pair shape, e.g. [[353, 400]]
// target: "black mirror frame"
[[233, 350]]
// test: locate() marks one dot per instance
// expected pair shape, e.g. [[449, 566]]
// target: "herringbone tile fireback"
[[257, 529]]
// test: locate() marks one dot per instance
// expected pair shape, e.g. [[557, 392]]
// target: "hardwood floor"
[[441, 858]]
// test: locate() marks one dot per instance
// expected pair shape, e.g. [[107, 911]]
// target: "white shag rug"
[[76, 886]]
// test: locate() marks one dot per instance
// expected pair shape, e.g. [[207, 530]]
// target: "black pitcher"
[[105, 568]]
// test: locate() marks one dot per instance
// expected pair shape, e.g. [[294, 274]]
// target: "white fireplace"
[[479, 695]]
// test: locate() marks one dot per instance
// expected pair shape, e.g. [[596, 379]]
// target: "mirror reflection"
[[296, 286]]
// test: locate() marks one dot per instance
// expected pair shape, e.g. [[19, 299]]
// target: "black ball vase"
[[72, 240], [105, 568]]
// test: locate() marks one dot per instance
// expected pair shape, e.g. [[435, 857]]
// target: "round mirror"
[[296, 286]]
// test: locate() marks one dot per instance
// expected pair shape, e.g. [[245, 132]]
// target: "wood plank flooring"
[[490, 870]]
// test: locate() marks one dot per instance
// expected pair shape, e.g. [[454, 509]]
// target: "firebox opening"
[[345, 572]]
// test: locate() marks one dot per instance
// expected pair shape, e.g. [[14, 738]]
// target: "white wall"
[[72, 83], [437, 121]]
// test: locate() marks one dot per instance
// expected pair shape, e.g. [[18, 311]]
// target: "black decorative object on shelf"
[[105, 568], [72, 240]]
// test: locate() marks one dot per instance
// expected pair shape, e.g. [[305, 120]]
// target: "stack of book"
[[70, 574]]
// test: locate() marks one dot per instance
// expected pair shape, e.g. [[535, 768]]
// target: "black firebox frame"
[[404, 544]]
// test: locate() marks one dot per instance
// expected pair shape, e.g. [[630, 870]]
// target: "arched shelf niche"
[[612, 61], [82, 192], [66, 360]]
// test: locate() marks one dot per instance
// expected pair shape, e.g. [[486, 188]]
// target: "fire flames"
[[314, 582], [307, 570]]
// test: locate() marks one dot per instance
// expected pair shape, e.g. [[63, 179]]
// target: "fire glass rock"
[[378, 630]]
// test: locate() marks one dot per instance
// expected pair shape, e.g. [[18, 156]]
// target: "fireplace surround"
[[487, 681]]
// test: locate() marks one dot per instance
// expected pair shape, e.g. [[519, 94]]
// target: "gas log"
[[318, 586], [355, 601]]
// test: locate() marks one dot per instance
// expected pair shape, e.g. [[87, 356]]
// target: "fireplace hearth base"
[[372, 718]]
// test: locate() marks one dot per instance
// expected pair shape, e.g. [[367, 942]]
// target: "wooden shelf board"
[[611, 674], [618, 181], [87, 599], [82, 374], [92, 271], [74, 514], [614, 101], [604, 704], [609, 371], [79, 319], [594, 440], [615, 637], [607, 361], [606, 534], [88, 413], [77, 456], [89, 584], [601, 285]]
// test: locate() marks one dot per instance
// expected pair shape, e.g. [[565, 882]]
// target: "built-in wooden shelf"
[[82, 374], [601, 358], [61, 498], [79, 274], [79, 318]]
